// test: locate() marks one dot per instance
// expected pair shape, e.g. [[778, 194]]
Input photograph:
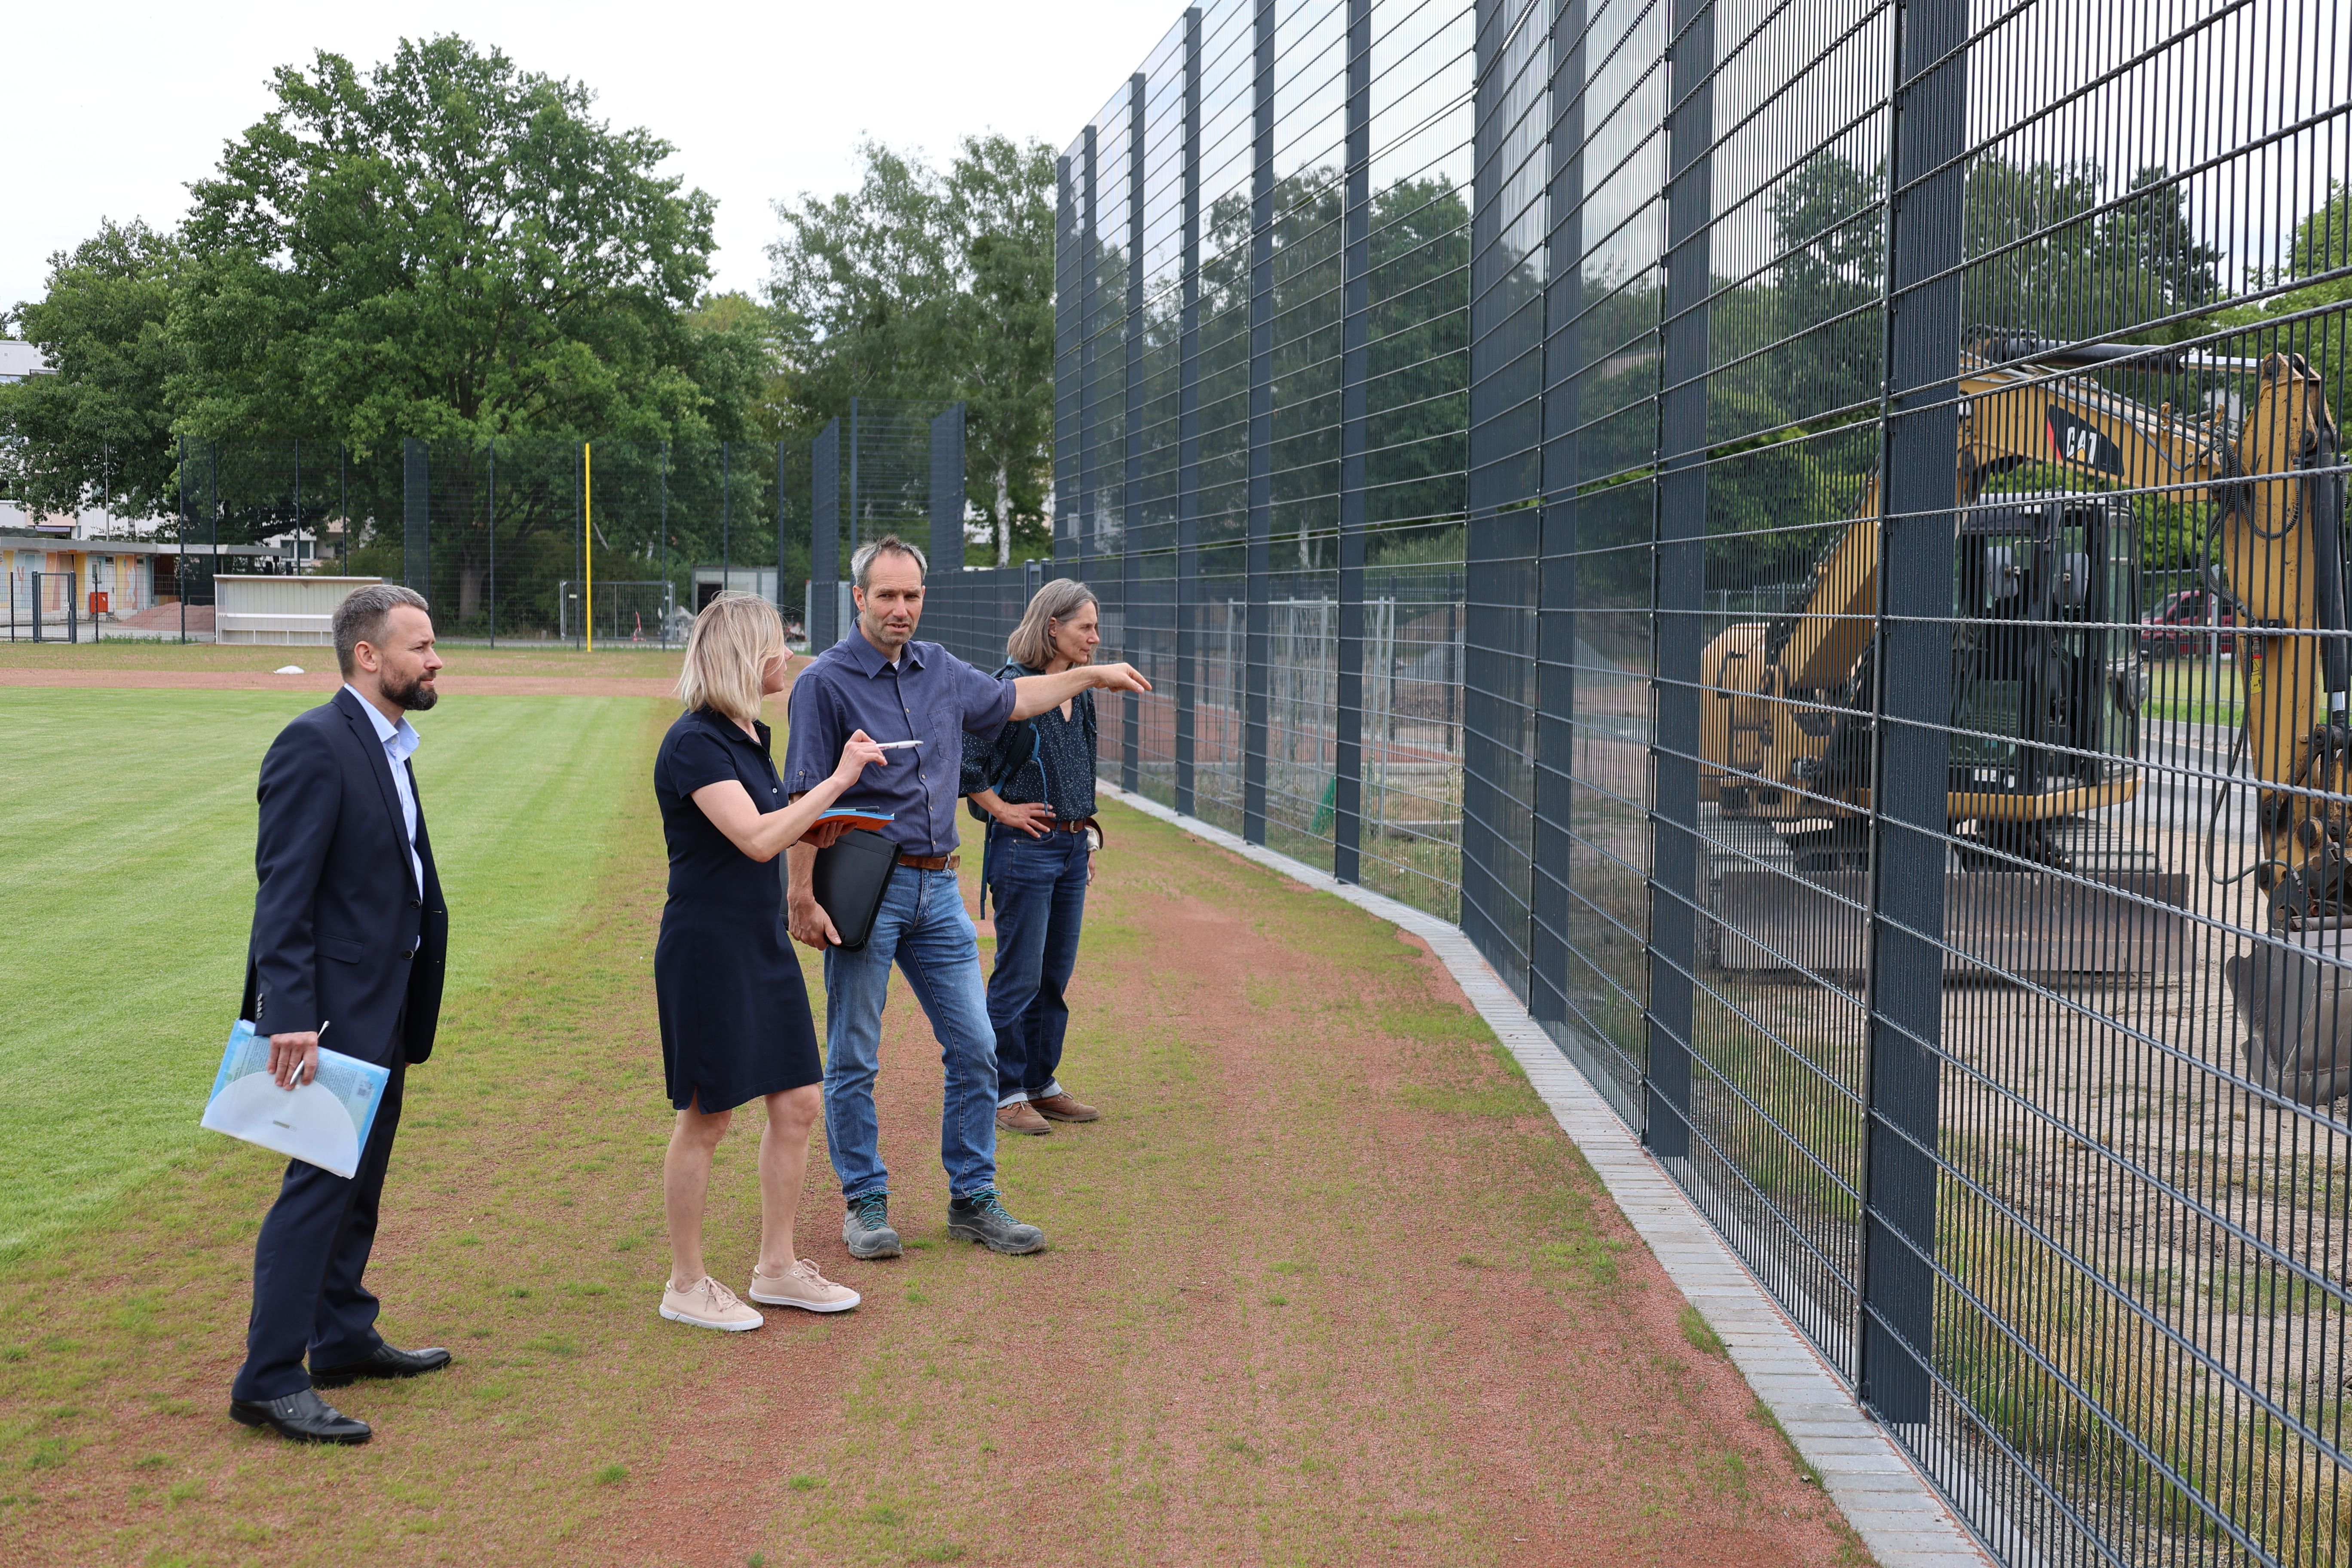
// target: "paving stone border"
[[1891, 1505]]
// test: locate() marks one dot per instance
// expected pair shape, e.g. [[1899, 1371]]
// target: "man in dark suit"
[[349, 936]]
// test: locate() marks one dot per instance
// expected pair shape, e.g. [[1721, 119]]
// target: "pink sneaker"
[[801, 1287], [708, 1304]]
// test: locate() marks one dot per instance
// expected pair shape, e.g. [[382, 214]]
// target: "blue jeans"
[[922, 928], [1040, 887]]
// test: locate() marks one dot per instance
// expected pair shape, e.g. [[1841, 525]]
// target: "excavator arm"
[[2281, 548]]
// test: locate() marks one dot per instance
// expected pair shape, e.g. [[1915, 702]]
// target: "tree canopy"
[[923, 283], [445, 246]]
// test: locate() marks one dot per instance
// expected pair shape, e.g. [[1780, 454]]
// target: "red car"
[[2178, 624]]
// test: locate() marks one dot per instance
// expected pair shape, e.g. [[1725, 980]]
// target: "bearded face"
[[416, 693]]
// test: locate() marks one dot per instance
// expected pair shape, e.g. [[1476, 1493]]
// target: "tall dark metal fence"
[[1813, 532]]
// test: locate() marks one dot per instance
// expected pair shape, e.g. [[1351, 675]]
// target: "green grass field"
[[126, 868]]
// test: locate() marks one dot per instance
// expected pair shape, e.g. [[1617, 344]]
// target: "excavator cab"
[[2047, 677]]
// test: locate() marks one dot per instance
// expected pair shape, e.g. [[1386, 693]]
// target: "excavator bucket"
[[2295, 1000]]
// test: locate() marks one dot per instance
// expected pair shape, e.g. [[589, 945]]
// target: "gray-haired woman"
[[1035, 785]]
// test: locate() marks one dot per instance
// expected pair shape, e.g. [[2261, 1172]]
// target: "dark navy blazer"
[[339, 929]]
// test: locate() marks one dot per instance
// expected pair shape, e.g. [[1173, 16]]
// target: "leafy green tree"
[[2154, 247], [97, 431], [451, 248], [924, 285], [445, 247], [1000, 201]]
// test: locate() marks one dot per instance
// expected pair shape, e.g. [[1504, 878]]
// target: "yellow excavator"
[[2048, 679]]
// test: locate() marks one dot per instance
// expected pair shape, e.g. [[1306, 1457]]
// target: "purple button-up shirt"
[[930, 696]]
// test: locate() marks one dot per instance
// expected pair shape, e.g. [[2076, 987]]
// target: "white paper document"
[[324, 1121]]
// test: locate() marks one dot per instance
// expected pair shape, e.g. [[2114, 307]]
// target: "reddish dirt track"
[[1327, 1287], [328, 681]]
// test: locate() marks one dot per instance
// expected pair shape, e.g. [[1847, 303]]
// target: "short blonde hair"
[[1032, 642], [727, 656]]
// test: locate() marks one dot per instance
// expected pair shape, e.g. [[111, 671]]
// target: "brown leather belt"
[[931, 862]]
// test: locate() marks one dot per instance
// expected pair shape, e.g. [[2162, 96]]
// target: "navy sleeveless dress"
[[735, 1021]]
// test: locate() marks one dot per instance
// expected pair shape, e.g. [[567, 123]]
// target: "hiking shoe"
[[1021, 1117], [1065, 1107], [866, 1229], [982, 1217], [802, 1286], [708, 1304]]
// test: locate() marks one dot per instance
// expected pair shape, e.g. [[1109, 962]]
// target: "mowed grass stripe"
[[126, 870]]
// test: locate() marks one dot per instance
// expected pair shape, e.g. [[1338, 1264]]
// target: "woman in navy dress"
[[735, 1022]]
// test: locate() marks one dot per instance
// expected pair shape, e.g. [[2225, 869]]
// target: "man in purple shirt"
[[880, 681]]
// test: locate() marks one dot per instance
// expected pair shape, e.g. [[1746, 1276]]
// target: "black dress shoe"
[[301, 1417], [381, 1361]]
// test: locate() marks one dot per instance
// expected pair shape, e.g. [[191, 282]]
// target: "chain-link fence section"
[[1816, 534]]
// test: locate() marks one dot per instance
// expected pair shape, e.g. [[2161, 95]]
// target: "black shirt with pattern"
[[1057, 767]]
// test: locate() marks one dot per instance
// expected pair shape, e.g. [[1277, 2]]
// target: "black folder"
[[848, 882]]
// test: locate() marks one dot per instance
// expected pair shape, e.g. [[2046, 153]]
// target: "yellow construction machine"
[[2048, 682], [2047, 674]]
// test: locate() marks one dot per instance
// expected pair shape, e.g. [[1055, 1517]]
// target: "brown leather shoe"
[[1021, 1117], [1062, 1108]]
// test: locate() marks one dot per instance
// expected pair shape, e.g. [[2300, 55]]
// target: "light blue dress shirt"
[[400, 742]]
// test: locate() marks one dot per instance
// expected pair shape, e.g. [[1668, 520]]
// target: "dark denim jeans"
[[1040, 889]]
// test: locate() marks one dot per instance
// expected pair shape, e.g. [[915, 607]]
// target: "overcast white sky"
[[113, 108]]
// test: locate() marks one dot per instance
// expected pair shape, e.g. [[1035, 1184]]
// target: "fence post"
[[1913, 686], [1131, 484], [1188, 433], [1069, 330], [1555, 695], [490, 459], [1070, 549], [211, 529], [1502, 537], [824, 538], [782, 604], [1676, 884], [415, 515], [947, 497], [1258, 612], [1355, 367], [180, 561]]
